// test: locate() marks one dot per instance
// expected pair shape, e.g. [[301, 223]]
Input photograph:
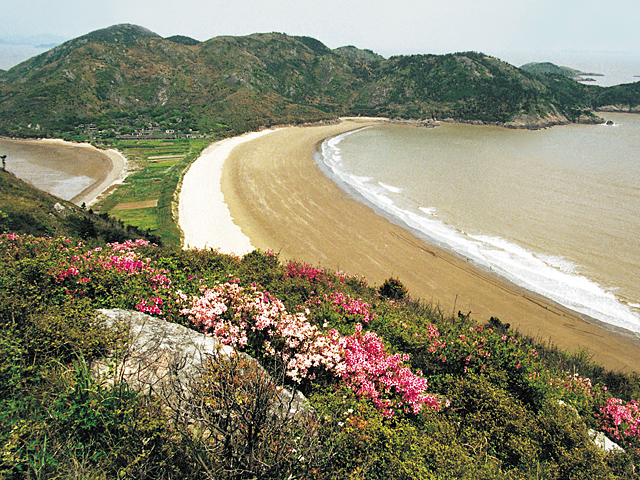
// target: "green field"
[[156, 169]]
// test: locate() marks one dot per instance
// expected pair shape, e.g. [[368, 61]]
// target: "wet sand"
[[77, 172], [281, 201]]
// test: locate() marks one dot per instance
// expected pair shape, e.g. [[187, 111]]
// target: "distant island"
[[548, 68]]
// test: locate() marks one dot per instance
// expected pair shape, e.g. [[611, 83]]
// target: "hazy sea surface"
[[556, 211], [612, 68]]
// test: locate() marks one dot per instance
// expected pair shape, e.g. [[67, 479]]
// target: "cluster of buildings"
[[148, 132]]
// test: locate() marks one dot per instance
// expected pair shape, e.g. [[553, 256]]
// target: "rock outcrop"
[[160, 355], [603, 442]]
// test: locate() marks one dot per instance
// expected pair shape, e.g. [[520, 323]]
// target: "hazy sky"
[[508, 29]]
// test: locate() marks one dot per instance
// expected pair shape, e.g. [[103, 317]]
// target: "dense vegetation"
[[399, 389], [124, 77]]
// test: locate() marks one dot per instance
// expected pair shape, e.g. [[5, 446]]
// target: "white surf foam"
[[391, 188], [550, 276]]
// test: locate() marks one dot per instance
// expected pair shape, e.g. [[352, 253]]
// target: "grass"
[[158, 167], [143, 218]]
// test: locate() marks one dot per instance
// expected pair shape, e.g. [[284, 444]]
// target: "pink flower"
[[618, 419], [230, 313]]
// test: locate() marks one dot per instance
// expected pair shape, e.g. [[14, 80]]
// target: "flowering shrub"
[[306, 271], [620, 420], [114, 276], [578, 391], [251, 318], [342, 305], [370, 371], [245, 318], [573, 383], [120, 264], [477, 349], [320, 278]]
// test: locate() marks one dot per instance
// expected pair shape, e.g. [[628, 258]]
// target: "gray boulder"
[[603, 442], [159, 355]]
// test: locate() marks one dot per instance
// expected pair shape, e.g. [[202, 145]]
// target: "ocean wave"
[[391, 188], [431, 211], [549, 276]]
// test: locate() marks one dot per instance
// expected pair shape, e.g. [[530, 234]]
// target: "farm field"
[[145, 198]]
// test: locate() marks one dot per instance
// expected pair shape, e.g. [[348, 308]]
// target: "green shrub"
[[393, 289], [80, 428]]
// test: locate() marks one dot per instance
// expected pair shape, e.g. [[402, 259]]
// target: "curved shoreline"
[[117, 174], [104, 167], [282, 201], [201, 190]]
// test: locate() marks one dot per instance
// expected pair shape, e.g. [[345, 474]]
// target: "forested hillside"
[[121, 79]]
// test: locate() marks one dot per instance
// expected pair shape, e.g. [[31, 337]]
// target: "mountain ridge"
[[126, 74]]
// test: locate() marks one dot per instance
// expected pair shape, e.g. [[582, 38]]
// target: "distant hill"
[[550, 68], [353, 52], [33, 40], [181, 39], [126, 76]]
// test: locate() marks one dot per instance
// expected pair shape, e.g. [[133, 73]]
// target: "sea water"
[[556, 211], [56, 182], [63, 170]]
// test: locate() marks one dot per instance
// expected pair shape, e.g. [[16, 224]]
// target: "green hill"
[[184, 40], [398, 389], [125, 76]]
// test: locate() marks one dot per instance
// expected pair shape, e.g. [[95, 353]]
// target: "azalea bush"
[[116, 275], [253, 320], [339, 310], [621, 420]]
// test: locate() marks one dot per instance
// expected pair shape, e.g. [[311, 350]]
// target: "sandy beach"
[[203, 213], [78, 172], [273, 196], [115, 175]]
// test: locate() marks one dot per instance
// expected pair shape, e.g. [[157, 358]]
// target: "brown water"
[[64, 170], [556, 211]]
